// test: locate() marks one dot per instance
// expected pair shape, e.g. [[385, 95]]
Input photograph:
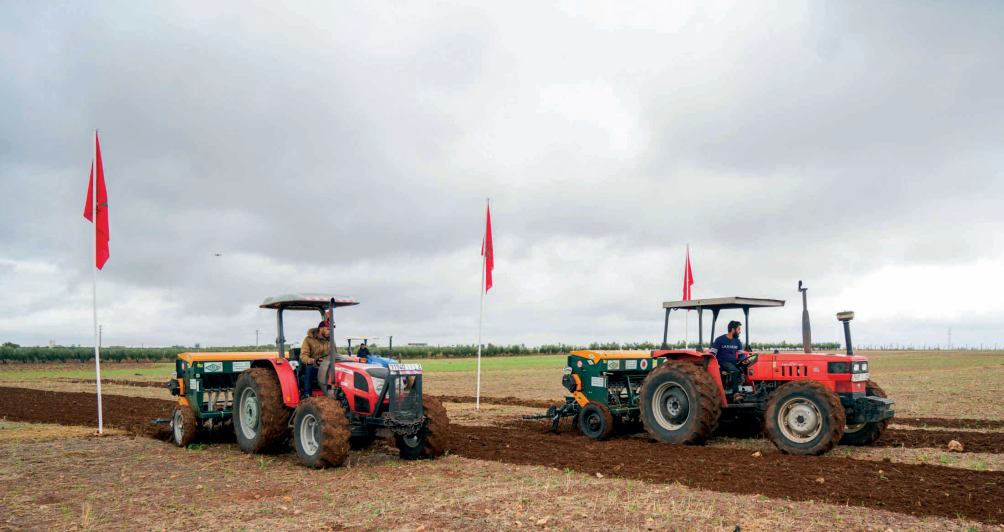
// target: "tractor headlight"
[[378, 385], [857, 368], [836, 367], [864, 366]]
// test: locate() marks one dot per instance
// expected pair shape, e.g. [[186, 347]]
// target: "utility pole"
[[101, 330], [256, 337], [949, 337]]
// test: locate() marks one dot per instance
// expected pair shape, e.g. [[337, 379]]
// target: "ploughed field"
[[560, 480]]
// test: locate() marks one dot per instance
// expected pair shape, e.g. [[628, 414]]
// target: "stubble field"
[[501, 473]]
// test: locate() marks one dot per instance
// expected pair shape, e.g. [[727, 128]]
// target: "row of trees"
[[10, 353]]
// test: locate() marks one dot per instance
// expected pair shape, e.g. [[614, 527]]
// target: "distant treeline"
[[13, 354]]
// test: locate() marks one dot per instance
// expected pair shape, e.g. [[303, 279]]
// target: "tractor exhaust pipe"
[[846, 317], [806, 329]]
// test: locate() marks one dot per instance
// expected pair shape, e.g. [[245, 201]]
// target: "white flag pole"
[[481, 307], [94, 266]]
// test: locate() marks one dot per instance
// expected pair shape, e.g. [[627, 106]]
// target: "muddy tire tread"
[[873, 431], [273, 411], [710, 399], [191, 426], [831, 402]]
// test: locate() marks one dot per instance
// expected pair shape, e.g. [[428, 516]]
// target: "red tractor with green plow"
[[807, 402], [259, 394]]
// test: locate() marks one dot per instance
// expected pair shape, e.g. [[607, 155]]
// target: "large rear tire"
[[680, 404], [184, 426], [321, 433], [805, 417], [434, 437], [595, 421], [866, 433], [260, 417]]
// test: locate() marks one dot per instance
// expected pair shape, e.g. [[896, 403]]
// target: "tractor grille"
[[405, 401], [794, 371]]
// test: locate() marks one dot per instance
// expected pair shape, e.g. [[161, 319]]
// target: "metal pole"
[[481, 310], [665, 331], [94, 266]]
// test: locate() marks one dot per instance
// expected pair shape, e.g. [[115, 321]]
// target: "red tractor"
[[809, 402], [354, 404]]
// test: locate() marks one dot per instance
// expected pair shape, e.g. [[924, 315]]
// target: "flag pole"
[[481, 309], [686, 326], [94, 267]]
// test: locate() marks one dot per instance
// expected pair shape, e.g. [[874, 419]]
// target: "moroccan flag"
[[688, 278], [488, 252], [101, 232]]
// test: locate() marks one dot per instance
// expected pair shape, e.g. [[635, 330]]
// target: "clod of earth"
[[955, 446]]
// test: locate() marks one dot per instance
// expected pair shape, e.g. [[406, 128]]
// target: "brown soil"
[[972, 442], [980, 424], [119, 382], [74, 408], [505, 401], [906, 488]]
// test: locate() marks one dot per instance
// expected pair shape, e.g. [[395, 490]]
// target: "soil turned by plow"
[[906, 488]]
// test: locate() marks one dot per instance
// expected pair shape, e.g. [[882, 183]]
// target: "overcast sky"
[[349, 148]]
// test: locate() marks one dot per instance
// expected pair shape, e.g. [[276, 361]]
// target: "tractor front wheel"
[[260, 417], [680, 404], [596, 421], [805, 417], [866, 433], [184, 425], [432, 439], [321, 432]]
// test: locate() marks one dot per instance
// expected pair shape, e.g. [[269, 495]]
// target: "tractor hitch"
[[569, 409]]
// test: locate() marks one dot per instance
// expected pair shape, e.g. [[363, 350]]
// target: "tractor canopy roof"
[[362, 337], [306, 301], [724, 303]]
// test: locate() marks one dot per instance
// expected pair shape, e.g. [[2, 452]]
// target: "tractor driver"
[[726, 349], [315, 346]]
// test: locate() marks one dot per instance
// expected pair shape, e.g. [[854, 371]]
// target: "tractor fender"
[[708, 360], [287, 379]]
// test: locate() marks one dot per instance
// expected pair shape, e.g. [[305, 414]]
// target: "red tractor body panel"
[[780, 367], [347, 376], [287, 378]]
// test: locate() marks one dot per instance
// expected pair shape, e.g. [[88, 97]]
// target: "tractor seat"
[[294, 353]]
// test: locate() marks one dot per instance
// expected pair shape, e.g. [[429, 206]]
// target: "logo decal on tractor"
[[214, 367], [579, 363], [644, 364]]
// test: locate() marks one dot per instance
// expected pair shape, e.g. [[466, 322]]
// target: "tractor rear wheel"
[[866, 433], [434, 436], [321, 432], [680, 404], [596, 421], [805, 417], [184, 425], [259, 414]]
